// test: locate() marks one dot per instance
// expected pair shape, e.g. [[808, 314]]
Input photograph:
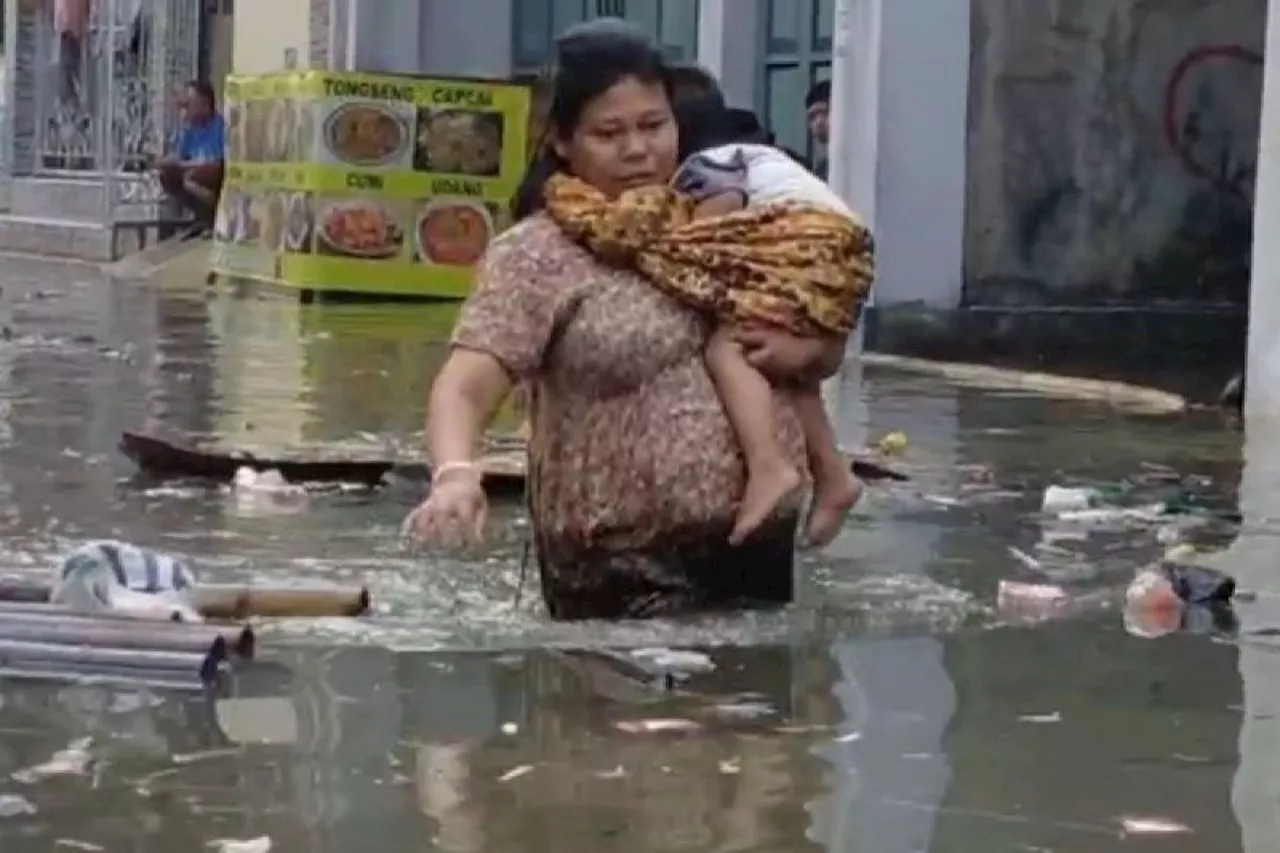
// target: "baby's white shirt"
[[774, 176]]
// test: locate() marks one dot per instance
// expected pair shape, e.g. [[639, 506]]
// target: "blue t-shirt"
[[203, 143]]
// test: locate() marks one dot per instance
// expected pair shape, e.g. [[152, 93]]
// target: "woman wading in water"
[[635, 472]]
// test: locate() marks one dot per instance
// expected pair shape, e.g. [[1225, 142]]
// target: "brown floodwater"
[[889, 711]]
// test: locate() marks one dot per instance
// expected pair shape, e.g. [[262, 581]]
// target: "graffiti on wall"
[[1196, 131], [1111, 157]]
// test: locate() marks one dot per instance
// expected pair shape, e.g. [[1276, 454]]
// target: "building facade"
[[1009, 154], [88, 98]]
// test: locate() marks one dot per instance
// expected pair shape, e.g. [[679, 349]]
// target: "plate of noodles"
[[365, 134]]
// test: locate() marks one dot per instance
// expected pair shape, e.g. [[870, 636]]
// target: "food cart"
[[367, 184]]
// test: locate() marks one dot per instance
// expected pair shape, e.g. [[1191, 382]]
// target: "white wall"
[[899, 140], [458, 38], [1263, 382], [467, 38], [728, 35], [264, 30]]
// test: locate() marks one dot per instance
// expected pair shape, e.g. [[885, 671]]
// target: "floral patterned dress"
[[635, 471]]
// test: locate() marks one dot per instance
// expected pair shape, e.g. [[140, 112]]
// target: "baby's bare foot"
[[832, 500], [766, 488]]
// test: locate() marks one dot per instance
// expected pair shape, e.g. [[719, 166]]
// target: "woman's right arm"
[[466, 394]]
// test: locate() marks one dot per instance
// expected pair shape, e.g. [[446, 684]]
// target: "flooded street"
[[890, 711]]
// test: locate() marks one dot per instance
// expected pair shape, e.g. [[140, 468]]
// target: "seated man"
[[191, 175]]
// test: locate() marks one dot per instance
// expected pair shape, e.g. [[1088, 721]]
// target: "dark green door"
[[673, 23]]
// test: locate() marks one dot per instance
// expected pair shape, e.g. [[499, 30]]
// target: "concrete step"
[[55, 236], [55, 198]]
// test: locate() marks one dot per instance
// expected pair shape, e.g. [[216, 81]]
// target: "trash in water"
[[268, 492], [516, 773], [1152, 826], [14, 805], [892, 444], [1026, 559], [1012, 594], [1171, 596], [1149, 514], [656, 726], [272, 481], [72, 761], [744, 710], [1055, 717], [510, 728], [732, 767], [262, 844], [73, 844], [672, 660], [1199, 584], [1059, 499]]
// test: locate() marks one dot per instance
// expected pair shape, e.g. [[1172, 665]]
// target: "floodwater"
[[888, 712]]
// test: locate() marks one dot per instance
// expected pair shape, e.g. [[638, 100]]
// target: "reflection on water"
[[883, 714]]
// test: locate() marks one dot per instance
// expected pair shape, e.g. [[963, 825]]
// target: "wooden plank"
[[503, 464]]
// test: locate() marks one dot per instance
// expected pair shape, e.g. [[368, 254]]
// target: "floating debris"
[[1054, 717], [657, 726], [72, 761], [673, 660], [516, 773], [15, 805], [252, 845], [1152, 826]]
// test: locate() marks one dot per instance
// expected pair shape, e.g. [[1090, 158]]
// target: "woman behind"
[[635, 474]]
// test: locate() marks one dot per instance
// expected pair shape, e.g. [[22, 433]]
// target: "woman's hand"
[[784, 357], [454, 512]]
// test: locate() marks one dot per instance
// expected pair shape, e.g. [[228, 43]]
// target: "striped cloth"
[[135, 568]]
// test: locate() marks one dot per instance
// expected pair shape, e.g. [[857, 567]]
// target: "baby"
[[728, 167]]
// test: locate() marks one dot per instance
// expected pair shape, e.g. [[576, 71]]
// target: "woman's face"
[[625, 138]]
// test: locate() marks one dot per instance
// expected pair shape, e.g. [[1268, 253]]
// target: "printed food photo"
[[458, 142], [365, 134], [360, 228], [453, 232]]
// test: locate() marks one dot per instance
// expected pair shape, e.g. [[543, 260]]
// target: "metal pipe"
[[240, 638], [242, 602], [233, 602], [155, 679], [27, 654], [61, 627], [105, 117]]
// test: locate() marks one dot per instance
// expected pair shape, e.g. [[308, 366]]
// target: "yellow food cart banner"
[[367, 183]]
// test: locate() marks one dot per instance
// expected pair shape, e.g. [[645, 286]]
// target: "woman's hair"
[[591, 58]]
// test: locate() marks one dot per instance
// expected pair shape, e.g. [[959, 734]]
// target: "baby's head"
[[705, 121]]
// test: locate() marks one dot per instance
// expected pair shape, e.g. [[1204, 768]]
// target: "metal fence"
[[106, 79]]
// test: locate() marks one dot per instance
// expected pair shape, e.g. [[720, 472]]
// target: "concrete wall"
[[1112, 147], [471, 39], [262, 33]]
